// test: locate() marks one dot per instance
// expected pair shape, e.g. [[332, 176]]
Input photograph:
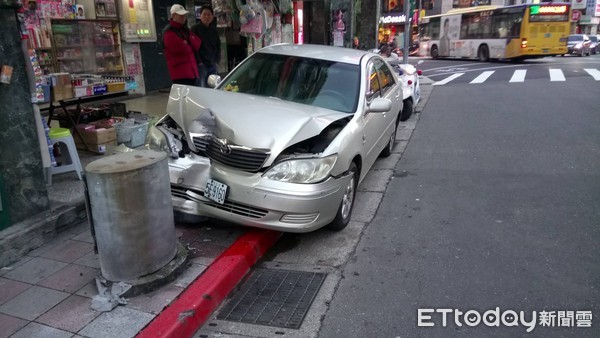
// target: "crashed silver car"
[[284, 140]]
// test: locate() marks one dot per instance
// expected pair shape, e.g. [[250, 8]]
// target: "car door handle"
[[364, 139]]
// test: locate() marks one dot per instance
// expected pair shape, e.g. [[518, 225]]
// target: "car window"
[[386, 79], [321, 83], [374, 88], [575, 38]]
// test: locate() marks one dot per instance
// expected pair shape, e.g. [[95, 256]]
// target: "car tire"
[[407, 110], [182, 218], [389, 148], [342, 218], [434, 52], [483, 54]]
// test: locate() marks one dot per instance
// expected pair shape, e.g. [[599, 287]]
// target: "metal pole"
[[377, 16], [406, 31]]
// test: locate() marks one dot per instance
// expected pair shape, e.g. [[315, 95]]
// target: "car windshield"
[[594, 38], [574, 38], [321, 83]]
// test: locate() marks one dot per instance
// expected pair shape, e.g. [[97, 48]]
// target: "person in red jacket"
[[181, 47]]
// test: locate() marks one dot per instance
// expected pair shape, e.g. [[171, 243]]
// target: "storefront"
[[392, 24]]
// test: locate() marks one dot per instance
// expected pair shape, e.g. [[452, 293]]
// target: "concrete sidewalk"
[[48, 292]]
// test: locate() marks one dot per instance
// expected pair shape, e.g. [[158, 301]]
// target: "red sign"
[[576, 15]]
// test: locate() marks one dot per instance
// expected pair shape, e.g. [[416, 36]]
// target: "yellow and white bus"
[[494, 32]]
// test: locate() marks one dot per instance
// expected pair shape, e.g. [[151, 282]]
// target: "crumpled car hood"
[[247, 120]]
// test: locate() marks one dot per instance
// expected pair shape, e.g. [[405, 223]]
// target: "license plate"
[[545, 51], [215, 191]]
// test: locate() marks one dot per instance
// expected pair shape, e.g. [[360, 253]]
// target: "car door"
[[378, 126]]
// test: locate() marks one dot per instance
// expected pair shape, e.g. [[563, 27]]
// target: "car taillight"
[[409, 82], [524, 43], [419, 72]]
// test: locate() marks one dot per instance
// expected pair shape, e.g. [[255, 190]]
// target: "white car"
[[409, 75], [284, 140]]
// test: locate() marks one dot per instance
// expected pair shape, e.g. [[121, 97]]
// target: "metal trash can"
[[132, 213]]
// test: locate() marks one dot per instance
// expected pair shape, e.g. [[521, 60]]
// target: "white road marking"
[[482, 77], [518, 75], [556, 75], [448, 79], [595, 73]]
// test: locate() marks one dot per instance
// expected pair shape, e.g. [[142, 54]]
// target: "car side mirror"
[[213, 80], [380, 105]]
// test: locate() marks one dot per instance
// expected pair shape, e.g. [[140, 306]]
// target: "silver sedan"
[[284, 140]]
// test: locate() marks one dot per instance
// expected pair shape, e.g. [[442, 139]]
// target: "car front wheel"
[[342, 218]]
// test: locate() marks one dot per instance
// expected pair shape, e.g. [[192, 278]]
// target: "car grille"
[[235, 156], [232, 207]]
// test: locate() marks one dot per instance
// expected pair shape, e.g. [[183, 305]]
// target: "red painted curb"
[[196, 303]]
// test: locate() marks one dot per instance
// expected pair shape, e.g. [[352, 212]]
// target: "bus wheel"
[[483, 53], [434, 52]]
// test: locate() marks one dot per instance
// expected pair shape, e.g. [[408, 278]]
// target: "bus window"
[[430, 30], [476, 25], [500, 25]]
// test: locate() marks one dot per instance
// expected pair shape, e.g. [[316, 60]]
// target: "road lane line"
[[556, 75], [518, 75], [448, 79], [595, 73], [483, 76]]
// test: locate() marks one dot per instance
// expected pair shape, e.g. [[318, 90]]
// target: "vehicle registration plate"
[[215, 191], [545, 51]]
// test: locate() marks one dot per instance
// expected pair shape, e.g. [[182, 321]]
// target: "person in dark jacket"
[[210, 51], [181, 47]]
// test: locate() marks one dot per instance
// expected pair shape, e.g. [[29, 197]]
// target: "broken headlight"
[[304, 170]]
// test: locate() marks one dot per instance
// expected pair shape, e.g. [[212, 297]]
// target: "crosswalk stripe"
[[518, 76], [557, 75], [595, 73], [482, 77], [448, 79]]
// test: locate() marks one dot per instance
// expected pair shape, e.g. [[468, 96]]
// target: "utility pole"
[[377, 16], [406, 31]]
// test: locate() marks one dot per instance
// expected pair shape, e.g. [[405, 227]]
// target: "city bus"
[[497, 32]]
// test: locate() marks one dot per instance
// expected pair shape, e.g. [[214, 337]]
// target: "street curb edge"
[[197, 302]]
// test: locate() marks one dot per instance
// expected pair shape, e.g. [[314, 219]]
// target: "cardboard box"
[[99, 88], [97, 136], [80, 91], [62, 92], [115, 87], [95, 148]]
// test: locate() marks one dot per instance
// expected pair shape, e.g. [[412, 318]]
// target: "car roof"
[[329, 53]]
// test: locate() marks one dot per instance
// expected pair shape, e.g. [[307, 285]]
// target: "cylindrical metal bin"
[[132, 213]]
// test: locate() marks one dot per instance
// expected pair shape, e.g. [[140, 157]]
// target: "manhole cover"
[[274, 297]]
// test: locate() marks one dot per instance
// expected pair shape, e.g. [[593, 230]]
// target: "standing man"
[[210, 51], [181, 47]]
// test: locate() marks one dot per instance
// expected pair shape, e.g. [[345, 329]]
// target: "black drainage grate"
[[274, 297]]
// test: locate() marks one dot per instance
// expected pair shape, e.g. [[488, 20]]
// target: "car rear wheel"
[[407, 110], [342, 218], [387, 151]]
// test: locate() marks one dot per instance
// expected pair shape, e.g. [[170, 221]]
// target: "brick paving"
[[48, 293]]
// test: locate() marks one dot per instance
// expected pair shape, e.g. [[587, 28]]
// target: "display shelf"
[[85, 46]]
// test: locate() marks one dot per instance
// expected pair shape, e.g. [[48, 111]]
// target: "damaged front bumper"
[[253, 200]]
